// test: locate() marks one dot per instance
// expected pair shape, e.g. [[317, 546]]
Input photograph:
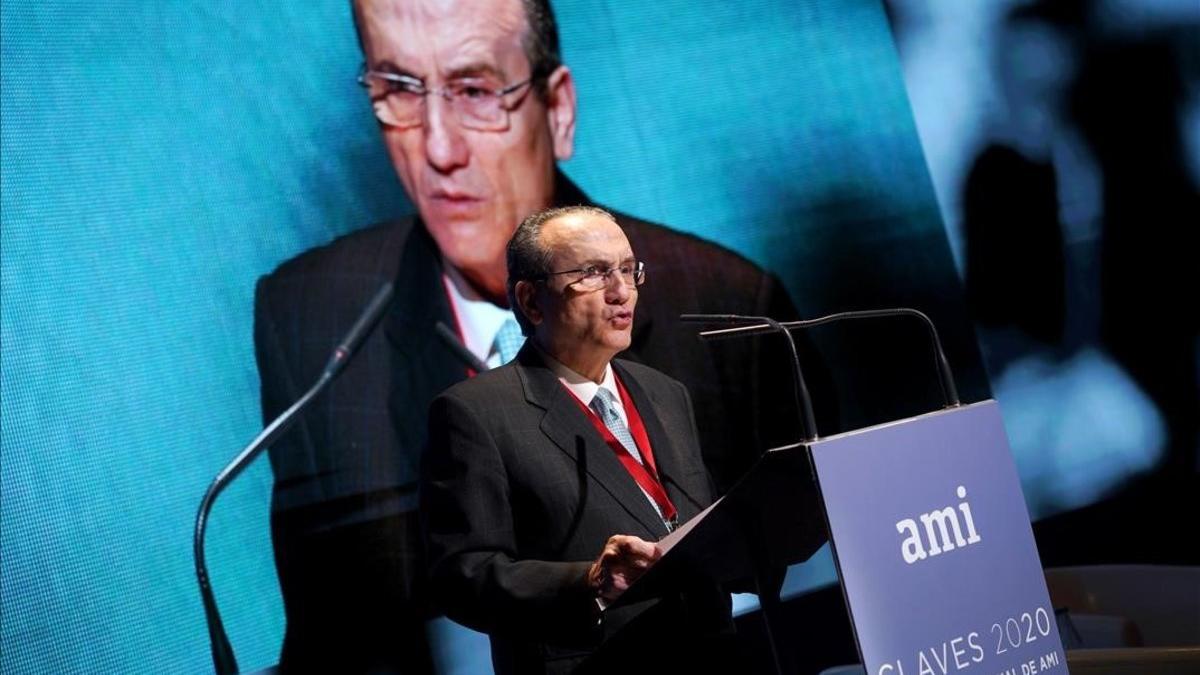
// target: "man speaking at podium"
[[474, 107], [547, 480]]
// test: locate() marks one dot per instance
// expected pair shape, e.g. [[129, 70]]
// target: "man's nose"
[[618, 289], [445, 147]]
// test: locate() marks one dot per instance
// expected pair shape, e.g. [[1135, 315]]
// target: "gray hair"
[[528, 260], [540, 41]]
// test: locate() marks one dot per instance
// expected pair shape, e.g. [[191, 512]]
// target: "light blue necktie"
[[605, 406], [508, 340], [604, 403]]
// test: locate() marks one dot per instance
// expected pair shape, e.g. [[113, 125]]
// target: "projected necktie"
[[508, 340]]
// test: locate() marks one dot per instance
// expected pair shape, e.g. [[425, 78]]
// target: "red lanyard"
[[458, 330], [645, 475]]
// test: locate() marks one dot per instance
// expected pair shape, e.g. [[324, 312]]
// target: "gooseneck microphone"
[[749, 326], [358, 331], [452, 342], [222, 652], [808, 420]]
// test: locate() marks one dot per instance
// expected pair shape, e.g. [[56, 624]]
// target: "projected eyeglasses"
[[479, 102]]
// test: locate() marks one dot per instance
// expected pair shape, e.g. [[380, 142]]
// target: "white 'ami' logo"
[[914, 549]]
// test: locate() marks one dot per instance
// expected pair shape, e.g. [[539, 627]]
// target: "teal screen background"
[[158, 157]]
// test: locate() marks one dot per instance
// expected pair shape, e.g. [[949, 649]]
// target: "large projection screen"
[[159, 157]]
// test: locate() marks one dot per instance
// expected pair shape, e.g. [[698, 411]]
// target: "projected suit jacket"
[[345, 539], [520, 493]]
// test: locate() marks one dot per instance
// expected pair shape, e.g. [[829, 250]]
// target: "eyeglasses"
[[477, 102], [594, 277]]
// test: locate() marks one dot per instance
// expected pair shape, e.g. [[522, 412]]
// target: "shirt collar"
[[583, 388], [478, 318]]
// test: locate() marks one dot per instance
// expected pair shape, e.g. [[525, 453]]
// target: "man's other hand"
[[623, 560]]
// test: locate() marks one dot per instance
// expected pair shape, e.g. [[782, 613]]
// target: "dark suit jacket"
[[520, 494], [345, 477]]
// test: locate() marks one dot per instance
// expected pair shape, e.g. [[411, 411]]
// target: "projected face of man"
[[471, 187]]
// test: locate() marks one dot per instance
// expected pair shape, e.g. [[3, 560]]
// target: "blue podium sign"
[[934, 548]]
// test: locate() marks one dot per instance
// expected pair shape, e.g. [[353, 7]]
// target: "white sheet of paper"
[[668, 542]]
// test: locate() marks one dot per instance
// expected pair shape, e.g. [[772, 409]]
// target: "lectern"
[[929, 530]]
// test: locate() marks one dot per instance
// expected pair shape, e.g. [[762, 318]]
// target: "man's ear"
[[560, 111], [526, 295]]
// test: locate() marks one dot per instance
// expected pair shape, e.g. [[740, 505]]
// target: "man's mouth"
[[453, 201], [453, 196], [622, 318]]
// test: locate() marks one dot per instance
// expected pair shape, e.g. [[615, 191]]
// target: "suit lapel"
[[569, 428], [672, 463], [421, 366]]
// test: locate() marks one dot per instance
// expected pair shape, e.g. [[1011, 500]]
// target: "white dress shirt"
[[478, 318], [584, 389]]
